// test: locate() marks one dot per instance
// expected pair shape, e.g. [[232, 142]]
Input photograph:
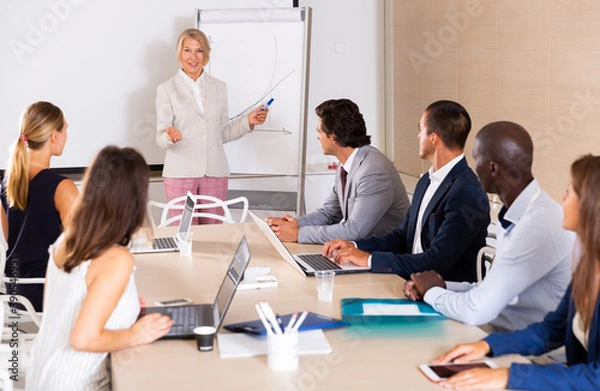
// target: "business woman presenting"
[[192, 124]]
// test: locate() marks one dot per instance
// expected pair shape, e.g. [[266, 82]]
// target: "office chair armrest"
[[27, 281]]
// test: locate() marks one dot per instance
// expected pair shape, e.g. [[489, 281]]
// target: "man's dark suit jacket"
[[454, 229]]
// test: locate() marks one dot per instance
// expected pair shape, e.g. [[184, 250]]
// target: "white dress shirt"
[[198, 88], [530, 272], [348, 165], [435, 180]]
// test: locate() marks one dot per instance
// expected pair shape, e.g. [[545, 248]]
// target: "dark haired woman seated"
[[575, 323], [91, 303]]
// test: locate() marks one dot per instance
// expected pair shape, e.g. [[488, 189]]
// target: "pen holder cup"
[[282, 351]]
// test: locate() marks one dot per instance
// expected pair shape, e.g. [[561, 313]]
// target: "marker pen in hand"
[[268, 104]]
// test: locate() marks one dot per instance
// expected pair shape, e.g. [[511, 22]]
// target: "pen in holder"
[[282, 342], [282, 351]]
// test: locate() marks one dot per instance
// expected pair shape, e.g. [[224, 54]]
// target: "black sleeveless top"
[[31, 232]]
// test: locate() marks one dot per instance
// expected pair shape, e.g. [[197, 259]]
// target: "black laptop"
[[188, 317], [306, 264]]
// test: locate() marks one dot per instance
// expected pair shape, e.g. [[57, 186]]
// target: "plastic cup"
[[185, 244], [325, 284], [282, 351], [205, 336]]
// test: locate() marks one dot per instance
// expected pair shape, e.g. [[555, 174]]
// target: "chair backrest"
[[5, 356], [5, 297], [19, 343], [485, 258], [5, 381], [28, 314], [490, 239], [2, 267], [208, 202], [5, 353], [4, 279]]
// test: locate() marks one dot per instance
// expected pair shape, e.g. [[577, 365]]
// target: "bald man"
[[532, 267]]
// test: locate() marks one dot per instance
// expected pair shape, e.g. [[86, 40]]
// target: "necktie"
[[343, 175]]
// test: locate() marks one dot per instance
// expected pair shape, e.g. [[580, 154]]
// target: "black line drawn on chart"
[[268, 89]]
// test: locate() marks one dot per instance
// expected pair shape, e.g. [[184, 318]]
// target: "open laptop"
[[306, 264], [188, 317], [168, 243]]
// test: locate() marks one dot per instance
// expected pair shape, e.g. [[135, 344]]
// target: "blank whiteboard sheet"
[[259, 53]]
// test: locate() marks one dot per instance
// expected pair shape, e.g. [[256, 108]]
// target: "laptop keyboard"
[[319, 262], [185, 318], [164, 243]]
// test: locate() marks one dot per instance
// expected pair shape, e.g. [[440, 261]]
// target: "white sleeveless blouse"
[[55, 364], [577, 328]]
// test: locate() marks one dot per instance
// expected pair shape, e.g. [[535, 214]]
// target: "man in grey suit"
[[368, 198]]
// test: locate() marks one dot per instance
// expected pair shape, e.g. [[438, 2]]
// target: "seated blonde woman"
[[37, 200]]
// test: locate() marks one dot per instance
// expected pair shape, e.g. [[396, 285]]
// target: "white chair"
[[4, 279], [27, 315], [485, 258], [490, 239], [213, 202], [5, 382], [7, 352]]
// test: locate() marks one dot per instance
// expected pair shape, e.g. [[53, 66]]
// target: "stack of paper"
[[246, 345]]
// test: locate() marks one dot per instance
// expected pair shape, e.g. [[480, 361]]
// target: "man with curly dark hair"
[[368, 197]]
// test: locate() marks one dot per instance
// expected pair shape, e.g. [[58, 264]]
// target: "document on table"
[[358, 310], [233, 345], [394, 310]]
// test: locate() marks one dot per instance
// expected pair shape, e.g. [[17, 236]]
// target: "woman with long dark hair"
[[575, 323], [91, 303]]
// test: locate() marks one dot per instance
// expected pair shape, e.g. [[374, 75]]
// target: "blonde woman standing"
[[37, 200], [192, 124]]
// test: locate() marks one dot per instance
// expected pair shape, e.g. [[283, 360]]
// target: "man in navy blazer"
[[447, 222]]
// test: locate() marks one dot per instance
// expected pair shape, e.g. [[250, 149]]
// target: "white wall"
[[356, 28], [355, 70], [99, 61]]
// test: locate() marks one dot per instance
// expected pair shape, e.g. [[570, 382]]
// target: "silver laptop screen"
[[232, 279], [186, 218]]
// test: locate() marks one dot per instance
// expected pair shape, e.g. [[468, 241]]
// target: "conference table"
[[373, 356]]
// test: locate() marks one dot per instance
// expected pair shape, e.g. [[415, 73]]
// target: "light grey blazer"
[[375, 202], [200, 152]]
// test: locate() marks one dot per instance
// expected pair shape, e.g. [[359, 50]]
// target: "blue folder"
[[313, 321], [353, 311]]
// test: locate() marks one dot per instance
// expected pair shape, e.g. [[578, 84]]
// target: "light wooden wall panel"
[[534, 62]]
